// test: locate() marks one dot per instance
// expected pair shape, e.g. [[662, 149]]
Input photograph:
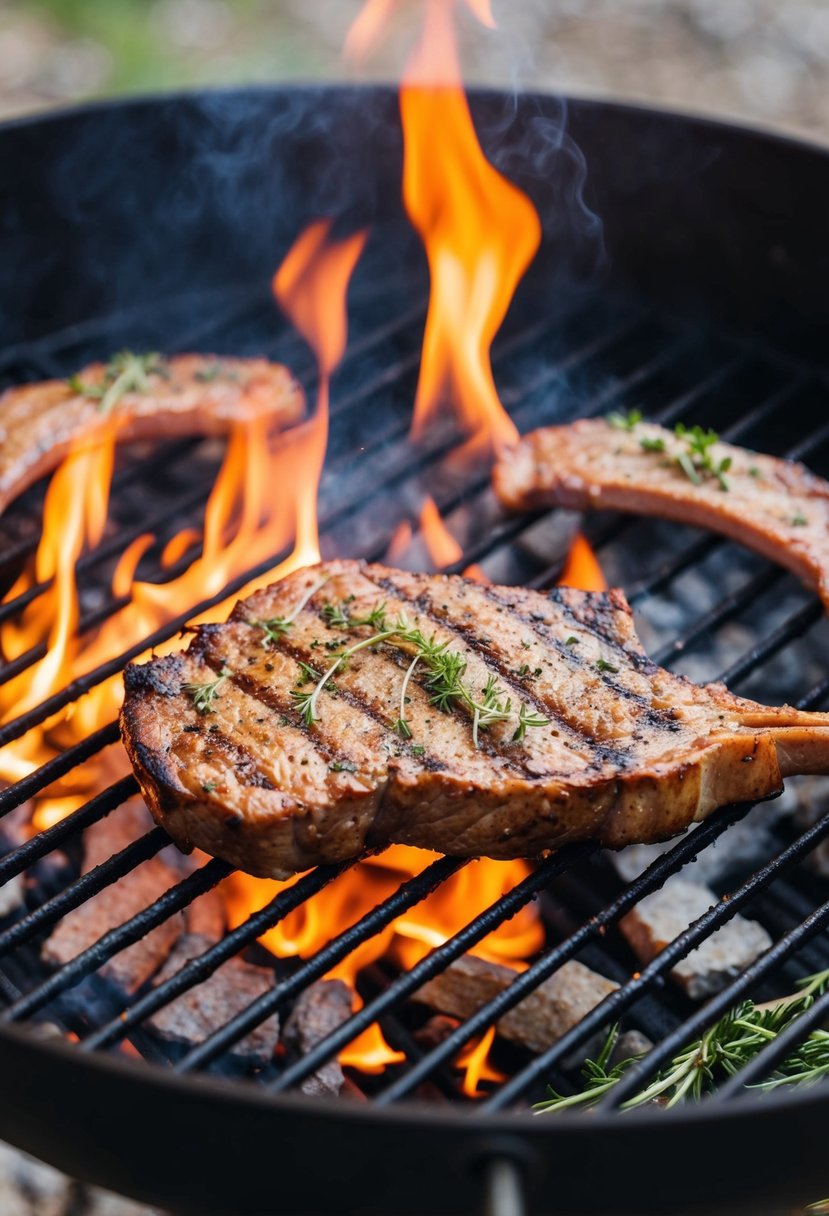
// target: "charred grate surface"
[[704, 606]]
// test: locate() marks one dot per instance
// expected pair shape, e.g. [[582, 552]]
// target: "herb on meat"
[[205, 694], [443, 682], [527, 718], [799, 520], [126, 372], [275, 627], [721, 1052], [652, 445], [603, 665], [626, 421], [697, 458], [342, 766]]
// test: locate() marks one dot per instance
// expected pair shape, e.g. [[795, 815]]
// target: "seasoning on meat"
[[628, 752], [148, 397], [774, 506]]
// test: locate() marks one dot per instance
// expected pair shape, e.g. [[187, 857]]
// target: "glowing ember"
[[582, 567]]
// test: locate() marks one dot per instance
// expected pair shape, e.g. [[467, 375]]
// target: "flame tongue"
[[479, 230]]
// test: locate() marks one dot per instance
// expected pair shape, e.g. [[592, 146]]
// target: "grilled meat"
[[579, 734], [146, 396], [774, 506]]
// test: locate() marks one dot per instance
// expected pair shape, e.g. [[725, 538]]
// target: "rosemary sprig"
[[443, 681], [721, 1052], [275, 627], [205, 694], [126, 372]]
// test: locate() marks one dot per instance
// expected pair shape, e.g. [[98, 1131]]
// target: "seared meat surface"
[[147, 398], [774, 506], [287, 737]]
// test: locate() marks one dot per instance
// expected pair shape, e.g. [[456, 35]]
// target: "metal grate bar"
[[97, 808], [199, 969], [775, 1051], [699, 1022], [138, 926], [436, 961], [13, 795], [405, 897], [792, 628], [613, 1005], [19, 726], [528, 981], [725, 611], [84, 888]]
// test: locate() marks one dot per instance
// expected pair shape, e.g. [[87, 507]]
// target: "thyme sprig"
[[722, 1051], [444, 682], [275, 627], [126, 372], [695, 459], [205, 694]]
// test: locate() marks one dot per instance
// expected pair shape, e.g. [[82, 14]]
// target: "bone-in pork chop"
[[774, 506], [351, 706], [147, 397]]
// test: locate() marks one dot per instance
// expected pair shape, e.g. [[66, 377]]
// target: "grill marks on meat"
[[776, 507], [630, 753], [191, 394]]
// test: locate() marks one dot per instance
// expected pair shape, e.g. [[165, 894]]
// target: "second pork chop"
[[351, 706]]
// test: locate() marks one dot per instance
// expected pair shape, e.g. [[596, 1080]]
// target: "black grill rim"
[[486, 1129]]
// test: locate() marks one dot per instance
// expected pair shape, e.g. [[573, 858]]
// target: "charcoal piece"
[[202, 1009], [317, 1013], [117, 903], [536, 1022], [436, 1031], [661, 917]]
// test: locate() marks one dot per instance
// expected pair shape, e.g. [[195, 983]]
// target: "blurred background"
[[762, 60]]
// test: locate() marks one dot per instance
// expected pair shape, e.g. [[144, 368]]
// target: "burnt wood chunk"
[[132, 967], [317, 1013], [661, 917], [536, 1022], [202, 1009]]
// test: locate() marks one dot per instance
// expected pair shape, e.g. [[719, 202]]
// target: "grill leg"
[[504, 1191]]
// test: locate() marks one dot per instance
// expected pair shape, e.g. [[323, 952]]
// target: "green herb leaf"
[[625, 421], [652, 445], [720, 1053], [342, 766], [205, 694], [603, 665]]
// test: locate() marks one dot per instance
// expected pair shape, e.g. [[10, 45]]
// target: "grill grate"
[[605, 355]]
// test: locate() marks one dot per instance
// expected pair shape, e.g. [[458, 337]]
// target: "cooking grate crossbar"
[[677, 372]]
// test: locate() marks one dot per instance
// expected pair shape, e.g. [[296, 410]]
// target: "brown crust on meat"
[[195, 395], [777, 507], [630, 753]]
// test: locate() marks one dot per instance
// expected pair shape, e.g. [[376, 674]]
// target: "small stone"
[[661, 917]]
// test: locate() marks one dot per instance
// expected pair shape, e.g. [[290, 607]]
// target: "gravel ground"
[[762, 60], [766, 61]]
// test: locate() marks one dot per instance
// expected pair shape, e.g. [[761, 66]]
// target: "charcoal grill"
[[698, 294]]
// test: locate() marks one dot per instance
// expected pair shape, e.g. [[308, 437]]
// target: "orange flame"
[[442, 547], [480, 233], [475, 1059], [582, 567]]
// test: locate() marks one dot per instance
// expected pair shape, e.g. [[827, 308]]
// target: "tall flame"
[[479, 230]]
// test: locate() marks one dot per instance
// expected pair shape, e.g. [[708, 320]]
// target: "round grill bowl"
[[118, 207]]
